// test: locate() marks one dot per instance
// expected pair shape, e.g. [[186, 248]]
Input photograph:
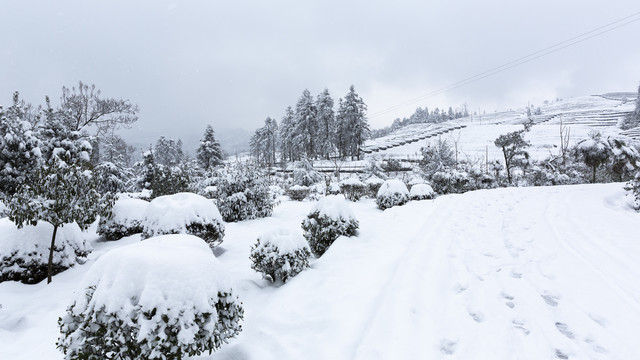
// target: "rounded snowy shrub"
[[298, 192], [163, 298], [183, 213], [422, 192], [392, 192], [450, 182], [126, 219], [353, 189], [329, 218], [24, 253], [373, 184], [280, 255], [243, 193]]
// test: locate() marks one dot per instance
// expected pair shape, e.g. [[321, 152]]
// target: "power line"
[[519, 61]]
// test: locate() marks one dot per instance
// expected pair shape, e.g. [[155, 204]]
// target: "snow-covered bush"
[[450, 181], [24, 253], [280, 255], [353, 189], [126, 219], [422, 192], [373, 184], [243, 193], [304, 174], [392, 192], [633, 186], [297, 192], [163, 298], [329, 218], [183, 213], [415, 181], [4, 211], [334, 188]]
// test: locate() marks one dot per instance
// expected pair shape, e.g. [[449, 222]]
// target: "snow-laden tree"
[[289, 148], [625, 159], [280, 255], [330, 218], [633, 186], [306, 124], [594, 152], [84, 107], [209, 154], [264, 143], [326, 124], [243, 193], [168, 152], [513, 147], [19, 148], [437, 157], [62, 190], [352, 127]]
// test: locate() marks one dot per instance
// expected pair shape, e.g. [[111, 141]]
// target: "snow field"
[[526, 273]]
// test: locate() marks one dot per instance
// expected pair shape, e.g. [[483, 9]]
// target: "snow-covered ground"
[[517, 273]]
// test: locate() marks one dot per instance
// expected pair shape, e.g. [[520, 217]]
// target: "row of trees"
[[421, 116], [314, 130]]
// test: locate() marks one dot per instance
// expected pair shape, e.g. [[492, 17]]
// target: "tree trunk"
[[506, 164], [53, 242], [593, 179]]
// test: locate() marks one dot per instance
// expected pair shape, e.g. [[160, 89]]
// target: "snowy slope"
[[476, 134], [517, 273]]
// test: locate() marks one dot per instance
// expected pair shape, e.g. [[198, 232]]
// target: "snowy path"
[[506, 274]]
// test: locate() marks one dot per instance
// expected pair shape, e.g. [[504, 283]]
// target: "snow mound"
[[391, 193], [127, 217], [422, 192], [374, 180], [334, 207], [151, 299], [280, 254], [24, 252], [416, 181], [183, 213]]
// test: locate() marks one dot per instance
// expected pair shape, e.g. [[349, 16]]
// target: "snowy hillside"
[[475, 134], [526, 273]]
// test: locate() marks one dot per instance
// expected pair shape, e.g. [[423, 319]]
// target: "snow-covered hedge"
[[353, 189], [163, 298], [183, 213], [422, 192], [450, 182], [243, 193], [280, 255], [633, 186], [392, 192], [298, 192], [24, 253], [329, 218], [126, 219], [373, 184]]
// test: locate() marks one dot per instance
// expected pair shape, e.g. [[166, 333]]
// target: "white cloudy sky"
[[232, 63]]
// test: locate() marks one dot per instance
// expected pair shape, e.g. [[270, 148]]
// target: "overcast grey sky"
[[233, 63]]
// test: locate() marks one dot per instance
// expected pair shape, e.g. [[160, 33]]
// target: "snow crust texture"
[[24, 252], [162, 298], [183, 213]]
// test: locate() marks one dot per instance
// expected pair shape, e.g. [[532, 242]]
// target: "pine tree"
[[306, 124], [288, 146], [352, 126], [326, 124], [63, 189], [209, 154], [168, 152], [264, 143], [19, 148]]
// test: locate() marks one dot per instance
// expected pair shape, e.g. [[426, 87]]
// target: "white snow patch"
[[334, 207], [174, 212]]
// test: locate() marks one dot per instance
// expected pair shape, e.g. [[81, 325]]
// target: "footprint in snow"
[[599, 320], [564, 329], [550, 299], [561, 354], [516, 274], [510, 303], [520, 325], [476, 315], [448, 347]]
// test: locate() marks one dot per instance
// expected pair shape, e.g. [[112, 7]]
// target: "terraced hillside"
[[475, 135]]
